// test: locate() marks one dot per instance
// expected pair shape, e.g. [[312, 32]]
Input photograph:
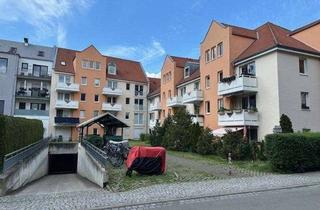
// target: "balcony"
[[33, 94], [194, 96], [238, 118], [155, 106], [66, 121], [30, 76], [31, 112], [112, 91], [60, 104], [197, 119], [176, 101], [235, 84], [68, 87], [111, 107]]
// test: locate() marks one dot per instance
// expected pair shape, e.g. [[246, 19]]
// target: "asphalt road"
[[302, 198]]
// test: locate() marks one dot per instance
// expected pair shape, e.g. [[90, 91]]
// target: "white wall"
[[291, 83]]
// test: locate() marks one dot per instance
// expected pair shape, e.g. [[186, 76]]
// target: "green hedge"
[[16, 133], [294, 152]]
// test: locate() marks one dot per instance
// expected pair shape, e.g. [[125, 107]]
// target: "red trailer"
[[146, 160]]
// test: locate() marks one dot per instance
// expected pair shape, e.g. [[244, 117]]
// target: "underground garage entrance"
[[63, 163]]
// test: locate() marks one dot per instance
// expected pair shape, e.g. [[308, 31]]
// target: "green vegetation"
[[285, 124], [294, 152], [96, 140], [16, 133]]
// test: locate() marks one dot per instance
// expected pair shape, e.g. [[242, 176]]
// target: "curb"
[[203, 197]]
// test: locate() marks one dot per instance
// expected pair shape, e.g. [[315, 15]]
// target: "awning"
[[106, 120], [222, 131]]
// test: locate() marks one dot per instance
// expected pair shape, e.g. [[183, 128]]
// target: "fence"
[[17, 156], [95, 152]]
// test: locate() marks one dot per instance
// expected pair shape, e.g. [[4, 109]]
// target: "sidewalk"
[[157, 193]]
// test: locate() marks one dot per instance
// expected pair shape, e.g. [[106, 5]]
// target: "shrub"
[[17, 132], [205, 144], [231, 144], [96, 140], [285, 124], [157, 134], [294, 152], [144, 137]]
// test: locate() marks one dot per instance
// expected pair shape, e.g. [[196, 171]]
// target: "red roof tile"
[[270, 36], [180, 61], [154, 83], [194, 75], [67, 56]]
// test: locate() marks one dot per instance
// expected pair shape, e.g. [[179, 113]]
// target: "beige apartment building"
[[248, 78]]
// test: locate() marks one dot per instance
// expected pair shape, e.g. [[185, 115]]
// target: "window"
[[37, 106], [186, 72], [39, 70], [95, 113], [207, 107], [220, 49], [59, 113], [84, 81], [96, 98], [63, 63], [138, 118], [40, 53], [183, 91], [82, 97], [127, 100], [138, 104], [248, 69], [86, 64], [82, 113], [138, 90], [22, 105], [1, 106], [112, 68], [61, 78], [24, 67], [220, 103], [305, 100], [3, 65], [196, 86], [207, 54], [213, 53], [68, 79], [220, 76], [95, 131], [302, 66], [96, 82], [169, 93], [112, 84], [207, 81], [111, 100], [128, 86], [127, 115], [196, 109]]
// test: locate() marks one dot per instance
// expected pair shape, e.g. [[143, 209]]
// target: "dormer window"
[[40, 53], [186, 72], [112, 68], [63, 63]]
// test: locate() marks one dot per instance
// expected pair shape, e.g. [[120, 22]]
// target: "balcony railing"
[[111, 107], [31, 112], [64, 104], [155, 106], [238, 118], [176, 101], [66, 121], [69, 87], [193, 96], [25, 75], [197, 119], [33, 94], [112, 91], [243, 83]]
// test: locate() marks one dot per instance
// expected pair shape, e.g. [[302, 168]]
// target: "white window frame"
[[207, 82], [186, 72], [86, 80], [306, 99], [305, 65], [207, 106], [95, 82]]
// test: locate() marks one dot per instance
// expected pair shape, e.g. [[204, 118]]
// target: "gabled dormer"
[[112, 68]]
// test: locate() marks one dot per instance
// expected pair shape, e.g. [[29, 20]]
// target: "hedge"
[[17, 132], [294, 152]]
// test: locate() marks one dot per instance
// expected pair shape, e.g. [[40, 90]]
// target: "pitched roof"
[[240, 31], [67, 56], [194, 75], [270, 36], [154, 83], [305, 27], [181, 61], [127, 70]]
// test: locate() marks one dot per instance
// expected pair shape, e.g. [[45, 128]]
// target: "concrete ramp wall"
[[26, 171], [91, 169]]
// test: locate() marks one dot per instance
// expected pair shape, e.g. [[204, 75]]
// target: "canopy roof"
[[222, 131], [106, 120]]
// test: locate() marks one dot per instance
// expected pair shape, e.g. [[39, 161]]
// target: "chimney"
[[26, 41]]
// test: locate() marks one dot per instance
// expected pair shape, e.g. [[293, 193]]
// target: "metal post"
[[229, 162], [122, 132]]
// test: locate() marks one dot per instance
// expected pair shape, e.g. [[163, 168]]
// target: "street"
[[306, 198]]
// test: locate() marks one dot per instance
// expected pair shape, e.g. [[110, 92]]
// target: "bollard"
[[229, 162]]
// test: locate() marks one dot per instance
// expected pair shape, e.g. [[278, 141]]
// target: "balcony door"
[[248, 101]]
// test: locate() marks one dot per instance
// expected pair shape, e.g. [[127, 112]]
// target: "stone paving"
[[148, 197]]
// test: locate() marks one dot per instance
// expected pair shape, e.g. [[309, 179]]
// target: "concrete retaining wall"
[[25, 172], [91, 169], [63, 148]]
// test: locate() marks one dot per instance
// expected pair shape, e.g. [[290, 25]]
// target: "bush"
[[285, 124], [205, 143], [144, 137], [157, 133], [17, 132], [294, 152], [96, 140]]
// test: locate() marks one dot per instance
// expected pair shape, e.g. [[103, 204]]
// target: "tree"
[[285, 124]]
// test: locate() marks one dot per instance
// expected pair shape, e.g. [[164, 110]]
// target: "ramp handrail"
[[15, 157], [95, 152]]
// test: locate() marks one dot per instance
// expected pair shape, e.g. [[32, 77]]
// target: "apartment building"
[[154, 101], [26, 86], [87, 83]]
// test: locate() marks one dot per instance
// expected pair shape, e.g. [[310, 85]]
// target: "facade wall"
[[310, 36], [189, 88], [292, 83], [153, 116]]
